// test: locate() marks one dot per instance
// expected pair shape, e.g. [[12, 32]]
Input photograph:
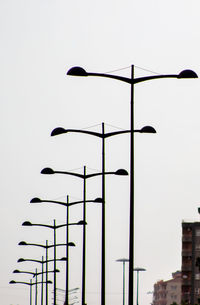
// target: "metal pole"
[[67, 255], [54, 262], [103, 220], [123, 282], [42, 281], [137, 286], [46, 272], [30, 292], [35, 286], [131, 237], [84, 237]]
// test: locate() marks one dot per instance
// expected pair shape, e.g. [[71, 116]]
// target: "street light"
[[23, 243], [54, 227], [83, 222], [103, 136], [30, 284], [78, 71], [138, 270], [123, 260], [84, 176]]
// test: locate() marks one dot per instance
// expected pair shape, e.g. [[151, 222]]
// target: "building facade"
[[168, 292], [191, 262]]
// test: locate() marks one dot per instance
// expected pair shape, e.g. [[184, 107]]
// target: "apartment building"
[[168, 292], [191, 262]]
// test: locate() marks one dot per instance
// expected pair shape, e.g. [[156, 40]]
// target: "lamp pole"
[[38, 273], [123, 260], [85, 176], [29, 284], [78, 71], [102, 136], [54, 227], [137, 295], [82, 222]]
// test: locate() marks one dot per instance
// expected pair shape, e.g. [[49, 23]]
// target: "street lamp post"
[[30, 284], [78, 71], [84, 176], [102, 136], [83, 222], [137, 295], [123, 260], [54, 227]]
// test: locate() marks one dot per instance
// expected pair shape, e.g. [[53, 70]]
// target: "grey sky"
[[40, 41]]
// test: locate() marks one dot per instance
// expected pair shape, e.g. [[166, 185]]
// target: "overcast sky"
[[40, 41]]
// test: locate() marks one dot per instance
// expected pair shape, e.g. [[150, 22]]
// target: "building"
[[191, 262], [168, 292]]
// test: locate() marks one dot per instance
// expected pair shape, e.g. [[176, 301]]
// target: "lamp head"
[[121, 172], [77, 71], [147, 129], [12, 282], [16, 271], [98, 200], [81, 222], [35, 200], [21, 260], [27, 223], [187, 74], [64, 259], [57, 131], [71, 244], [47, 171], [22, 243]]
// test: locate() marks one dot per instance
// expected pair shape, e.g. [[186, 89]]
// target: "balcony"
[[187, 238], [187, 252]]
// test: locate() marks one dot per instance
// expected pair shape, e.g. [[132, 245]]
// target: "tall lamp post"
[[138, 270], [54, 227], [78, 71], [123, 260], [66, 204], [84, 176], [102, 136]]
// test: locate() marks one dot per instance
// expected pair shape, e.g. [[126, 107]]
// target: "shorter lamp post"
[[30, 284], [138, 270], [44, 262], [123, 260], [82, 222]]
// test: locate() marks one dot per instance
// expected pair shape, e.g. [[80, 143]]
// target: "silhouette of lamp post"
[[84, 176], [23, 243], [54, 227], [38, 273], [138, 270], [103, 136], [83, 222], [20, 260], [123, 260], [78, 71], [30, 284]]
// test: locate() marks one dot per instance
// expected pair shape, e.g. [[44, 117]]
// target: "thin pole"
[[84, 237], [35, 286], [67, 255], [131, 231], [103, 220], [123, 282], [137, 287], [30, 292], [42, 281], [54, 262], [46, 272]]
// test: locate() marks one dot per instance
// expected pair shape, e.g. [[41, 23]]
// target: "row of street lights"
[[78, 71]]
